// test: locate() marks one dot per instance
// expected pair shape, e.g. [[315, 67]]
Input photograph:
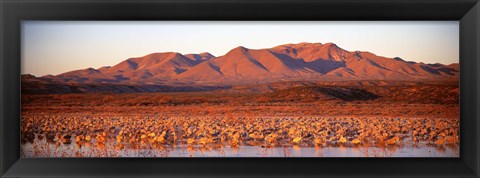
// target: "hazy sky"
[[54, 47]]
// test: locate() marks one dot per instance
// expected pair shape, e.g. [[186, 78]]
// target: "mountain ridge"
[[287, 62]]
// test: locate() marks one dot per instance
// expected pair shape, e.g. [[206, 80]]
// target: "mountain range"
[[289, 62]]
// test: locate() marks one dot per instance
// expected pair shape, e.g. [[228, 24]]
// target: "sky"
[[55, 47]]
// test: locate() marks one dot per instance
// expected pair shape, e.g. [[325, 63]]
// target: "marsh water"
[[40, 148]]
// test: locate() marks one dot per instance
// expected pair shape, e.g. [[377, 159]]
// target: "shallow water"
[[44, 149]]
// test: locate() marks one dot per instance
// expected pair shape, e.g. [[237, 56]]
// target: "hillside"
[[289, 62]]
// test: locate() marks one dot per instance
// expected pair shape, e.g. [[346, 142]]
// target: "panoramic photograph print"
[[170, 89]]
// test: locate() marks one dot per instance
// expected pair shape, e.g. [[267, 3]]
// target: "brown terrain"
[[307, 94], [291, 62]]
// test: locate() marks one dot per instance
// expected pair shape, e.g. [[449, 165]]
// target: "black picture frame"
[[14, 11]]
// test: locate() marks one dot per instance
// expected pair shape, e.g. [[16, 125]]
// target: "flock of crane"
[[138, 131]]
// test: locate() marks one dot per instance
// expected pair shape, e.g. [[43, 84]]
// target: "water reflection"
[[42, 148]]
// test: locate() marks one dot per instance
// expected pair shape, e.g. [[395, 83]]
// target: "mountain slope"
[[242, 64], [289, 62], [150, 68]]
